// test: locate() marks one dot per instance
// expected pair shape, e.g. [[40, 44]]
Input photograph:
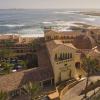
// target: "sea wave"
[[66, 25], [69, 23], [90, 19], [26, 35], [47, 22], [62, 29], [64, 12], [35, 32], [12, 25]]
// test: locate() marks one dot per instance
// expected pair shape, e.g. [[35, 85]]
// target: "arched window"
[[70, 55], [71, 37], [56, 58], [61, 56], [66, 56], [68, 37], [64, 37], [77, 65]]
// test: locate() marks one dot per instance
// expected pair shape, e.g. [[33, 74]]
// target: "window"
[[48, 37], [56, 58], [62, 56], [77, 65], [70, 55]]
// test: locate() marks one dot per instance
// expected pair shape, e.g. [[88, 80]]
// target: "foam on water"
[[35, 32], [90, 19], [30, 22], [47, 22], [12, 25], [65, 12], [62, 29], [68, 24]]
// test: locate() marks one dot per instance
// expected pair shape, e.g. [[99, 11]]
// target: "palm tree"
[[89, 64], [3, 96], [35, 45], [8, 43], [23, 64], [31, 89], [7, 66], [7, 52]]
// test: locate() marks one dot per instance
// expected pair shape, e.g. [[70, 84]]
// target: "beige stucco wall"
[[62, 72], [25, 39], [68, 37]]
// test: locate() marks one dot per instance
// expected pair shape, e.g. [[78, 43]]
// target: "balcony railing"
[[63, 61]]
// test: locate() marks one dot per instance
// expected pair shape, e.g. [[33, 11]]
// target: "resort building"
[[66, 36], [65, 60], [18, 44], [59, 58], [65, 51], [43, 74]]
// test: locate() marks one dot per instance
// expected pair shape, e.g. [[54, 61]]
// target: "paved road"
[[73, 93]]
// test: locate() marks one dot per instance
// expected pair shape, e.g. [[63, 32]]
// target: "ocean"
[[31, 22]]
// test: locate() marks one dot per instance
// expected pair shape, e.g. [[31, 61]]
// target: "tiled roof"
[[64, 32], [11, 81], [43, 58], [51, 45], [41, 73], [82, 42], [55, 43], [15, 80], [8, 36]]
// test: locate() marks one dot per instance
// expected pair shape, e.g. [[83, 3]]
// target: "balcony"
[[64, 61]]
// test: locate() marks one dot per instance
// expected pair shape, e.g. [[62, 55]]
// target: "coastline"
[[91, 13]]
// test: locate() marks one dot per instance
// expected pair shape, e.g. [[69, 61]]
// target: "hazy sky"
[[49, 4]]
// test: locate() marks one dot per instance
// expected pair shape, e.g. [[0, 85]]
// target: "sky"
[[43, 4]]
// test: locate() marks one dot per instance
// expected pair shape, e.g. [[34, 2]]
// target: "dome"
[[82, 42]]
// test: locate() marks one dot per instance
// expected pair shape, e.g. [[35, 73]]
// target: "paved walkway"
[[53, 95], [73, 93]]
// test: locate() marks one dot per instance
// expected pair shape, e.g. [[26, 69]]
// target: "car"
[[1, 69], [14, 70]]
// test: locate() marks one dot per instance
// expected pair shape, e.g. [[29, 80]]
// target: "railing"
[[62, 61], [63, 84], [67, 88], [92, 97]]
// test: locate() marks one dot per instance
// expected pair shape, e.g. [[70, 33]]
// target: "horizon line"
[[42, 8]]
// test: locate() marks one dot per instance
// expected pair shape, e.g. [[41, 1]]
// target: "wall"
[[65, 69]]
